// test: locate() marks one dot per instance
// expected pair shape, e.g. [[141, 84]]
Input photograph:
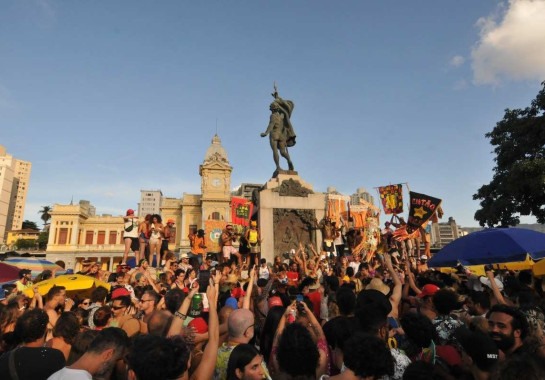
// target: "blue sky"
[[107, 98]]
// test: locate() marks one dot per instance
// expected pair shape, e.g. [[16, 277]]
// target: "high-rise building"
[[14, 181], [150, 202], [361, 193]]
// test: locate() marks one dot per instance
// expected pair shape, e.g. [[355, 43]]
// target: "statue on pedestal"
[[280, 130]]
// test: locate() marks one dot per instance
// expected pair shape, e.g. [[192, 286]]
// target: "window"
[[101, 238], [89, 237], [215, 215], [113, 237], [63, 236]]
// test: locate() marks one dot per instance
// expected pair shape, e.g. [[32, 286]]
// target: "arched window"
[[216, 216]]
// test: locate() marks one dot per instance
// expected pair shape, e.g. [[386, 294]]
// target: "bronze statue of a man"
[[280, 130]]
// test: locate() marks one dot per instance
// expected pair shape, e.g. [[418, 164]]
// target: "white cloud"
[[511, 44], [457, 61]]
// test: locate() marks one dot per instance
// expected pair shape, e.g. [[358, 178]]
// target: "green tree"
[[45, 211], [28, 224], [42, 240], [25, 243], [518, 184]]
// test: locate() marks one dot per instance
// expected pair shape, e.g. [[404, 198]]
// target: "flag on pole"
[[241, 211], [391, 197], [422, 208]]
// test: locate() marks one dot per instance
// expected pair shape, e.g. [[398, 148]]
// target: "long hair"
[[240, 357], [269, 328]]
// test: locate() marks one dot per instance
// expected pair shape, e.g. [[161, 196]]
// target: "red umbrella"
[[8, 273]]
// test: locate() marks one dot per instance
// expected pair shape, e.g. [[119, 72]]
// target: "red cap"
[[120, 292], [275, 301], [170, 221], [130, 212], [237, 293], [428, 290], [199, 325]]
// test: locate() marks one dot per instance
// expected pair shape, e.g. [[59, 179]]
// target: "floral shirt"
[[445, 325], [224, 352]]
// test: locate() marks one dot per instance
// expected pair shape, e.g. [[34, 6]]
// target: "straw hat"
[[377, 284]]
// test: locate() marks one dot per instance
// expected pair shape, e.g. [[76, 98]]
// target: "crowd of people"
[[314, 313]]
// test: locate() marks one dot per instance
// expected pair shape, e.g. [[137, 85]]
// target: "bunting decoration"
[[422, 208], [241, 211], [391, 197]]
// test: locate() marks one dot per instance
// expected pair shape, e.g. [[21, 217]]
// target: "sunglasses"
[[85, 303], [117, 307]]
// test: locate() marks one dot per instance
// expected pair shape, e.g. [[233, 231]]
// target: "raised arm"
[[205, 370], [395, 298], [181, 314], [248, 296]]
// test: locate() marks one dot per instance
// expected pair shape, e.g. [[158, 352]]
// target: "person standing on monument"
[[280, 130]]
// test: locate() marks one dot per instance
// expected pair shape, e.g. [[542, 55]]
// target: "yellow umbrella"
[[539, 268], [73, 283], [478, 270]]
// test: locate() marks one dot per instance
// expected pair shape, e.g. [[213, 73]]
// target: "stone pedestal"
[[288, 208]]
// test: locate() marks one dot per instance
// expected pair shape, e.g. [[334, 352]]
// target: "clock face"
[[216, 182]]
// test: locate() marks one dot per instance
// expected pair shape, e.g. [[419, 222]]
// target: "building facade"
[[76, 233], [150, 202], [361, 193], [442, 234], [14, 182]]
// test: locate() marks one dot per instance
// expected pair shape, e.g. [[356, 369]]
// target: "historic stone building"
[[76, 233]]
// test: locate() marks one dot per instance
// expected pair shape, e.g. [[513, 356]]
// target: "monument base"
[[288, 212]]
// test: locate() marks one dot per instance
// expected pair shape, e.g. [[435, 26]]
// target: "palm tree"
[[45, 211]]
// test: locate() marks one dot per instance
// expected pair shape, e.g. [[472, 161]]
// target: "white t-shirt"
[[264, 272], [71, 374]]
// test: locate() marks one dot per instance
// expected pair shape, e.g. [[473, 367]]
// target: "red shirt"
[[293, 278]]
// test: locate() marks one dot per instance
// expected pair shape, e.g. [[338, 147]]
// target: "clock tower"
[[215, 172]]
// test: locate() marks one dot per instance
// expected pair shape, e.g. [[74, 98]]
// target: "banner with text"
[[241, 211], [422, 208], [391, 197]]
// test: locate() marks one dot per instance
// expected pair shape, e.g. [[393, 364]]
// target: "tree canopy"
[[29, 224], [518, 184], [45, 211]]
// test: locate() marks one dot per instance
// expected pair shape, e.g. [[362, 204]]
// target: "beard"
[[503, 342]]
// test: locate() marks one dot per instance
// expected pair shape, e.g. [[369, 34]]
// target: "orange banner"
[[212, 230]]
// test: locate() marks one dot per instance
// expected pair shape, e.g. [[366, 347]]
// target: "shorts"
[[135, 244], [328, 246], [164, 245], [228, 250], [154, 241]]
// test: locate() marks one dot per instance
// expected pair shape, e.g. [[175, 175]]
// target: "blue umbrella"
[[491, 246]]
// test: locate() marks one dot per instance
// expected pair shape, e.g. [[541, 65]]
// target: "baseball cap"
[[130, 211], [199, 324], [23, 272], [479, 346], [232, 303], [486, 281], [170, 221], [423, 257], [275, 301], [120, 292], [428, 290]]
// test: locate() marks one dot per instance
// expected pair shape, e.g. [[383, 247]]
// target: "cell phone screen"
[[299, 298], [204, 280]]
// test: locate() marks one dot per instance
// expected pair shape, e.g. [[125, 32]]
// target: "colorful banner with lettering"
[[241, 211], [212, 230], [391, 197], [422, 208]]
